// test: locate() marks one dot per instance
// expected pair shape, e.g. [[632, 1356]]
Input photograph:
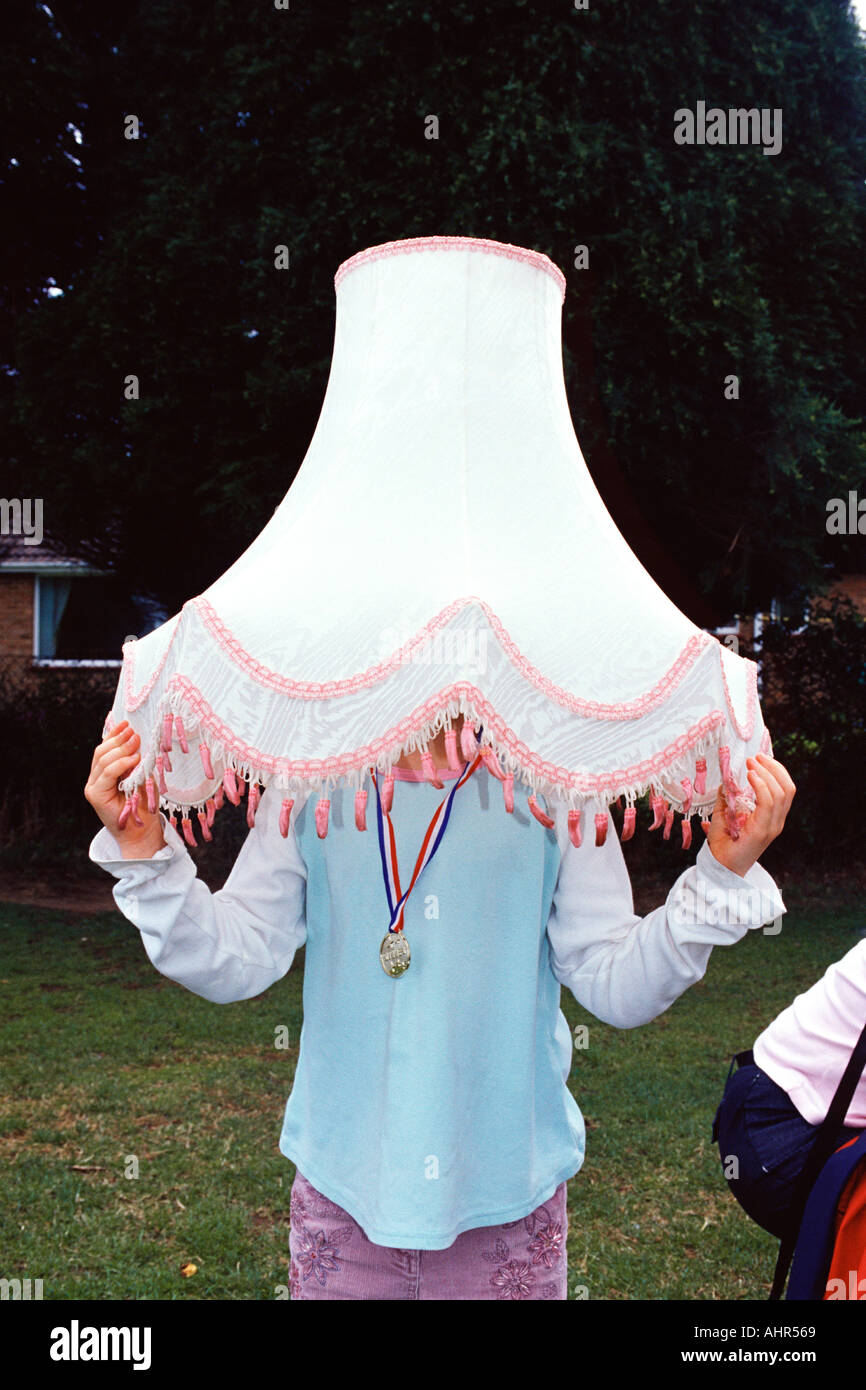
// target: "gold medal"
[[394, 954]]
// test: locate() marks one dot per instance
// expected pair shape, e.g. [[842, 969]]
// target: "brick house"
[[56, 611]]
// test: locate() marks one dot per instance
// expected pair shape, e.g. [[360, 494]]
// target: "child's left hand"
[[774, 792]]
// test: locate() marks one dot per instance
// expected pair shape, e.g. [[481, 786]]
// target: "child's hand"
[[774, 792], [114, 758]]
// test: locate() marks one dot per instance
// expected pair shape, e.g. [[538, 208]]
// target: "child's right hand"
[[113, 759]]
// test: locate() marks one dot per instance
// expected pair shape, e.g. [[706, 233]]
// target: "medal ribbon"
[[432, 840]]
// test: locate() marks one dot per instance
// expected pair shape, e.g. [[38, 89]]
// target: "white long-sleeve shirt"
[[807, 1046], [436, 1102]]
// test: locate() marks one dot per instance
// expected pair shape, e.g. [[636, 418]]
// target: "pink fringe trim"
[[285, 813], [219, 797], [322, 809], [160, 775], [492, 764], [181, 736], [700, 776], [628, 820], [538, 813], [150, 789], [361, 810], [574, 829], [687, 833], [166, 760], [388, 793], [687, 788], [429, 770], [187, 831], [167, 722], [230, 783], [468, 741], [205, 827], [252, 805], [508, 792], [206, 763], [601, 821], [669, 820], [659, 806], [451, 750], [211, 810]]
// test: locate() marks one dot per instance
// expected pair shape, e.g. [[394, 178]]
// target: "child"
[[430, 1122]]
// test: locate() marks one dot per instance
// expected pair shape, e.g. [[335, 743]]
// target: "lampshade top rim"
[[455, 243]]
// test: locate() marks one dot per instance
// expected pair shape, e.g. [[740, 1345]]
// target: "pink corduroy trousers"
[[331, 1256]]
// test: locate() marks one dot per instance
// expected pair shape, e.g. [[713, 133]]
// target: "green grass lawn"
[[104, 1061]]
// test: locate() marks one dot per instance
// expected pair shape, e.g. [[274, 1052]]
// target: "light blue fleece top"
[[436, 1102]]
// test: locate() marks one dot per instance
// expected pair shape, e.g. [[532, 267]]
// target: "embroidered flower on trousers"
[[546, 1246], [513, 1280], [317, 1254]]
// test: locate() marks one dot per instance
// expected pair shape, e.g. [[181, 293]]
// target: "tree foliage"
[[305, 127]]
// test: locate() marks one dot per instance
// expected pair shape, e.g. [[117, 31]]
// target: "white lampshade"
[[443, 550]]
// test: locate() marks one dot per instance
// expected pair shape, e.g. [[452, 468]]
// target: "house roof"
[[17, 557]]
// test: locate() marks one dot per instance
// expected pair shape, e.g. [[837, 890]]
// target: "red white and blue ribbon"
[[432, 840]]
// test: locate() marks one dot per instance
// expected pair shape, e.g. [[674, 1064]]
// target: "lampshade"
[[442, 551]]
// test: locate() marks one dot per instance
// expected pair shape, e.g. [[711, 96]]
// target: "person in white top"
[[782, 1090]]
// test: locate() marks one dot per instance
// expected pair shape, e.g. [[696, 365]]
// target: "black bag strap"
[[823, 1145]]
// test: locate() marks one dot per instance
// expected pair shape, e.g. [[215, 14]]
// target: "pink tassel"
[[219, 797], [539, 814], [252, 805], [388, 792], [687, 788], [181, 736], [361, 810], [451, 750], [242, 786], [725, 769], [628, 819], [700, 776], [468, 741], [167, 760], [669, 820], [125, 812], [167, 721], [687, 833], [151, 794], [211, 810], [429, 770], [205, 827], [601, 820], [659, 806], [574, 829], [172, 820], [705, 826], [285, 813], [187, 831], [491, 762], [508, 792], [134, 804], [322, 817], [230, 782], [160, 775], [206, 763]]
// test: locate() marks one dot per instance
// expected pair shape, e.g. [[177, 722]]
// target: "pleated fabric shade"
[[442, 551]]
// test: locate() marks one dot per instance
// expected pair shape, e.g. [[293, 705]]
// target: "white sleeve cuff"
[[727, 898], [106, 852]]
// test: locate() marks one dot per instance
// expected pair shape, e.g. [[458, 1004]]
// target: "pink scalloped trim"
[[452, 243], [744, 731], [315, 690], [132, 700], [347, 763]]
